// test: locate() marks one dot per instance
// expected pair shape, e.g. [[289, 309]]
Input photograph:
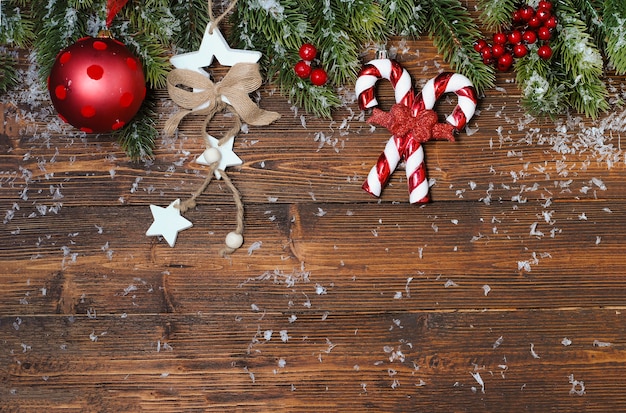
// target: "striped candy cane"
[[365, 89], [448, 82], [436, 87], [405, 146]]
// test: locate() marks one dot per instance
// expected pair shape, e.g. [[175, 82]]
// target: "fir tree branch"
[[582, 63], [543, 93], [278, 32], [405, 17], [453, 33], [615, 29], [496, 14], [193, 18], [590, 12], [338, 41], [16, 25], [8, 72]]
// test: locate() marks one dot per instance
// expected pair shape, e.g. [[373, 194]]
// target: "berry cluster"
[[530, 26], [303, 68]]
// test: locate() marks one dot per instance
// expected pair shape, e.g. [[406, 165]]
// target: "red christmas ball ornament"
[[319, 77], [307, 52], [97, 85]]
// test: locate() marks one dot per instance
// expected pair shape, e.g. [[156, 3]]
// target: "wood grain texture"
[[506, 293]]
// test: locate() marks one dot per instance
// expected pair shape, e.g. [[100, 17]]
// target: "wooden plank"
[[391, 362], [443, 256]]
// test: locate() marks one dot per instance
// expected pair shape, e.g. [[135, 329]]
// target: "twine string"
[[215, 22]]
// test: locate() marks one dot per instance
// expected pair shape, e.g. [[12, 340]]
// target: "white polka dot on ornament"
[[234, 240], [212, 155]]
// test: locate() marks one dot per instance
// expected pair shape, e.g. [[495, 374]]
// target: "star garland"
[[190, 87]]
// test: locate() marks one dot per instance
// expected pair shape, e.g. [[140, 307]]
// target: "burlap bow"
[[241, 79], [423, 127]]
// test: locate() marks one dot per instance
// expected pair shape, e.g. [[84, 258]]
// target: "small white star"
[[213, 45], [228, 157], [168, 222]]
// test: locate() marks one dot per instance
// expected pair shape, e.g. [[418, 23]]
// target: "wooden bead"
[[234, 240]]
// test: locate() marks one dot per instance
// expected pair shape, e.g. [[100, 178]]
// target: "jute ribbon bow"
[[208, 98]]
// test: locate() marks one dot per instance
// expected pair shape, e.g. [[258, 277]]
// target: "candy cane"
[[365, 89], [405, 146], [391, 70], [464, 110], [445, 83]]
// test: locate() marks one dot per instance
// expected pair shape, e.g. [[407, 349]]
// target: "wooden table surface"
[[506, 293]]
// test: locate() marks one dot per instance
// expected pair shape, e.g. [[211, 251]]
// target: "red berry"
[[486, 53], [302, 69], [480, 45], [504, 62], [543, 4], [520, 50], [526, 13], [551, 23], [534, 22], [307, 52], [543, 14], [319, 77], [529, 37], [544, 33], [517, 16], [499, 38], [497, 50], [544, 52], [515, 37]]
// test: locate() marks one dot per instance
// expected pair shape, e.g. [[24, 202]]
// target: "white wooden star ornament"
[[213, 46], [168, 222], [225, 155]]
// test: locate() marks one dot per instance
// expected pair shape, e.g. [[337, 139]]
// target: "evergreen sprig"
[[193, 18], [615, 29], [8, 72], [590, 11], [406, 17], [543, 93], [496, 14], [581, 63], [340, 29], [16, 25], [453, 33]]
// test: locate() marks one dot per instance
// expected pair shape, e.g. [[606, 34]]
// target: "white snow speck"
[[532, 351], [479, 380]]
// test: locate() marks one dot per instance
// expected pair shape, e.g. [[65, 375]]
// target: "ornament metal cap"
[[104, 34]]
